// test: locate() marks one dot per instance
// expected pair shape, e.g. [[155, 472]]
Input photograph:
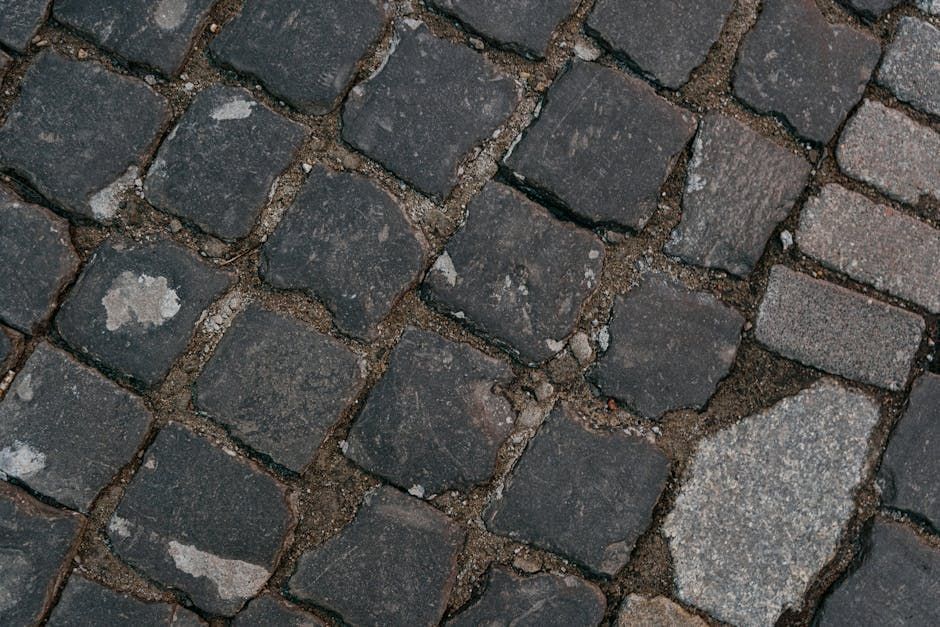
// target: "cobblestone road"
[[556, 312]]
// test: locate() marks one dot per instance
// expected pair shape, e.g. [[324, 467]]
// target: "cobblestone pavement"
[[543, 312]]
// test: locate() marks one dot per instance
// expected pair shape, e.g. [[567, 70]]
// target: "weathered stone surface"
[[910, 467], [911, 66], [36, 540], [19, 21], [524, 26], [638, 611], [156, 34], [135, 306], [517, 274], [85, 603], [872, 9], [764, 502], [874, 244], [895, 581], [584, 494], [395, 563], [534, 601], [47, 439], [216, 168], [665, 40], [422, 113], [669, 347], [348, 243], [739, 186], [36, 261], [602, 145], [200, 520], [270, 610], [79, 133], [303, 51], [837, 330], [795, 64], [434, 419], [278, 385]]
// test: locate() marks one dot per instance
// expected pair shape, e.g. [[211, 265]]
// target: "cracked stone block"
[[910, 467], [894, 581], [523, 26], [395, 563], [669, 347], [874, 244], [543, 599], [517, 274], [46, 438], [911, 65], [216, 169], [83, 599], [79, 133], [199, 519], [434, 420], [19, 21], [278, 385], [270, 610], [891, 152], [665, 40], [764, 502], [305, 52], [871, 9], [36, 543], [602, 146], [155, 34], [639, 611], [548, 502], [135, 306], [348, 243], [430, 104], [37, 261], [837, 330], [796, 65], [739, 186]]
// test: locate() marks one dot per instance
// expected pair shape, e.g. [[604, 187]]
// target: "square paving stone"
[[524, 26], [135, 306], [543, 599], [895, 581], [303, 51], [79, 133], [36, 262], [837, 330], [36, 541], [739, 186], [216, 168], [346, 242], [911, 66], [602, 146], [394, 564], [430, 104], [587, 495], [49, 442], [911, 465], [19, 21], [270, 610], [669, 347], [157, 34], [796, 65], [85, 603], [201, 520], [434, 420], [278, 385], [665, 39], [517, 274]]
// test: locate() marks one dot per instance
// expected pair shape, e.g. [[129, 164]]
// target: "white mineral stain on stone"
[[237, 109], [445, 265], [104, 203], [139, 299], [169, 14], [24, 388], [120, 526], [233, 579], [416, 490], [21, 460], [554, 345]]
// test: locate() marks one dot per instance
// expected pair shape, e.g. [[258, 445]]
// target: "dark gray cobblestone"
[[269, 610], [85, 603], [21, 19], [872, 9]]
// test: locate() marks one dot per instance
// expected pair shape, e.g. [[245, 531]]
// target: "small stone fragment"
[[638, 611], [911, 66], [544, 391], [20, 20], [83, 599], [872, 9], [270, 610], [580, 345]]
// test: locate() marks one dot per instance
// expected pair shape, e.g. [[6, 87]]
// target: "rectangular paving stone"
[[891, 152], [135, 306], [430, 104], [198, 519], [84, 603], [602, 146], [19, 21], [305, 52], [739, 186], [911, 65], [49, 442], [837, 330], [216, 168], [270, 610], [874, 244]]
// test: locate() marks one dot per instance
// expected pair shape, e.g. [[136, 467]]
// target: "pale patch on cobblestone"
[[21, 460], [142, 300], [235, 110], [233, 579], [105, 203]]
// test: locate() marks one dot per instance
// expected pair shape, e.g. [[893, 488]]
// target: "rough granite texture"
[[639, 611], [911, 65], [85, 603]]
